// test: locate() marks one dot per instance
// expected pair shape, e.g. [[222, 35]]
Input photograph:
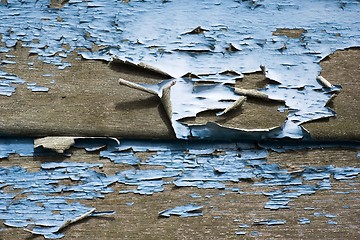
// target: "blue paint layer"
[[40, 206], [177, 163], [205, 40], [189, 210]]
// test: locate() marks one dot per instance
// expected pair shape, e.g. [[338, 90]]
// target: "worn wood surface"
[[342, 68]]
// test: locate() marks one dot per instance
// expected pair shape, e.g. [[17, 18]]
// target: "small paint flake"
[[309, 208], [303, 221], [7, 62], [255, 234], [240, 233], [319, 214], [270, 222], [189, 210], [341, 192], [35, 88], [244, 225], [102, 213], [236, 190], [331, 222], [195, 195]]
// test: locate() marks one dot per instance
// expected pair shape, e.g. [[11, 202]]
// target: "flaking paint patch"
[[195, 98], [202, 40], [31, 198], [7, 82], [189, 210], [174, 163]]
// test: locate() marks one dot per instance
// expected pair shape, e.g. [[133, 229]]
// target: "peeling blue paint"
[[303, 221], [270, 222], [120, 157], [189, 210], [244, 225], [38, 196], [7, 82], [240, 233], [189, 167], [22, 146], [176, 163], [161, 35], [35, 88], [331, 222]]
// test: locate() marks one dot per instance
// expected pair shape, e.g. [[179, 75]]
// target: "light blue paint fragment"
[[189, 210], [7, 82], [331, 222], [270, 222], [303, 221], [35, 88]]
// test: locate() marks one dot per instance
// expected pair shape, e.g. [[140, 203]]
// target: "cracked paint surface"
[[32, 200], [43, 201], [204, 39]]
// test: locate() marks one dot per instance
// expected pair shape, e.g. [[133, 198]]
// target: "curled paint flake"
[[7, 62], [244, 225], [189, 210], [195, 99], [240, 232], [270, 222], [303, 221], [58, 144], [35, 88]]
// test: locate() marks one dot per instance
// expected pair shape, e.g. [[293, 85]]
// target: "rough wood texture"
[[342, 68]]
